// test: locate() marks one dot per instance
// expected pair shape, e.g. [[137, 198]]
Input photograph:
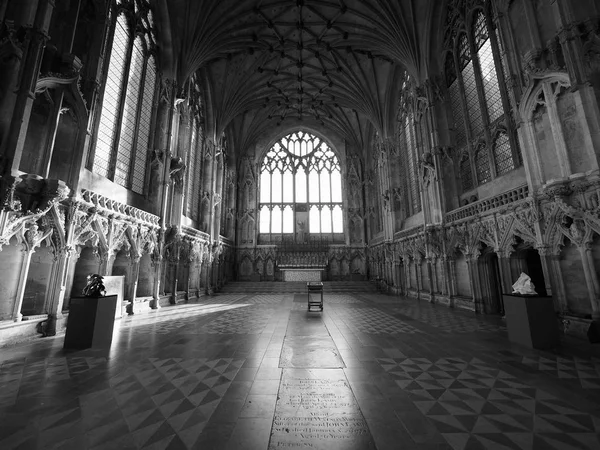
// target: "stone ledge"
[[12, 333]]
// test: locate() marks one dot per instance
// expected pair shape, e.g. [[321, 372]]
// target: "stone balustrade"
[[112, 206], [504, 199]]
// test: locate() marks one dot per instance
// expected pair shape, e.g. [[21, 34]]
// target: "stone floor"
[[261, 372]]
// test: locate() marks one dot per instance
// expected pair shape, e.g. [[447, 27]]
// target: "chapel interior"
[[209, 158]]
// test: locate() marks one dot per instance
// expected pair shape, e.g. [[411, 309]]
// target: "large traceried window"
[[475, 78], [408, 149], [193, 174], [124, 128], [300, 188]]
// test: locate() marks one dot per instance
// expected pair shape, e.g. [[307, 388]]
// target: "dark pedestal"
[[531, 321], [91, 322]]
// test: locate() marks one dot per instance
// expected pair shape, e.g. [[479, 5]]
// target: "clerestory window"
[[124, 130], [300, 188], [476, 79]]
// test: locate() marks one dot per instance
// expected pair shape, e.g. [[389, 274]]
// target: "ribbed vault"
[[263, 63]]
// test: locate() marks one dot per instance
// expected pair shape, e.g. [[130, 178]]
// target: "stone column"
[[156, 265], [33, 238], [432, 280], [470, 272], [453, 289], [419, 276], [59, 281], [17, 316], [135, 274], [504, 267]]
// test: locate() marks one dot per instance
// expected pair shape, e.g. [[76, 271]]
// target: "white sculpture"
[[524, 285]]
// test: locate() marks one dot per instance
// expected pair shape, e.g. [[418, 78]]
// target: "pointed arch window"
[[124, 128], [475, 77], [409, 149], [193, 174], [300, 177]]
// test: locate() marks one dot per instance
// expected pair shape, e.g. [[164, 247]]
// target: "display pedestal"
[[91, 322], [531, 321]]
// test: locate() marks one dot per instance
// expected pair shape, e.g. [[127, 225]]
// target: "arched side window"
[[408, 148], [143, 138], [467, 71], [491, 88], [475, 75], [193, 174], [112, 97], [124, 128], [300, 174], [413, 166]]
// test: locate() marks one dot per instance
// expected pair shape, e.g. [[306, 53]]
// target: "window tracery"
[[300, 173], [408, 146], [474, 72], [123, 131]]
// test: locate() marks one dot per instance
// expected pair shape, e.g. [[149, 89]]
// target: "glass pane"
[[276, 222], [325, 220], [265, 220], [191, 173], [129, 117], [288, 220], [503, 154], [325, 188], [491, 87], [412, 166], [314, 222], [336, 186], [457, 112], [288, 187], [301, 186], [276, 195], [313, 186], [141, 155], [265, 187], [482, 166], [338, 220], [472, 99], [112, 97]]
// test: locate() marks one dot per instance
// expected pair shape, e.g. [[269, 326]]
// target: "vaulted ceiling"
[[263, 63]]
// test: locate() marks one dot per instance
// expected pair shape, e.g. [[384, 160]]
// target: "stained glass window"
[[192, 172], [482, 165], [300, 174], [503, 154]]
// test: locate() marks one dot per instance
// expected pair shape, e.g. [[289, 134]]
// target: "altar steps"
[[285, 287]]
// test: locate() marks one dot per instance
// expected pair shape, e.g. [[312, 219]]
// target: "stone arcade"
[[132, 145], [435, 148]]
